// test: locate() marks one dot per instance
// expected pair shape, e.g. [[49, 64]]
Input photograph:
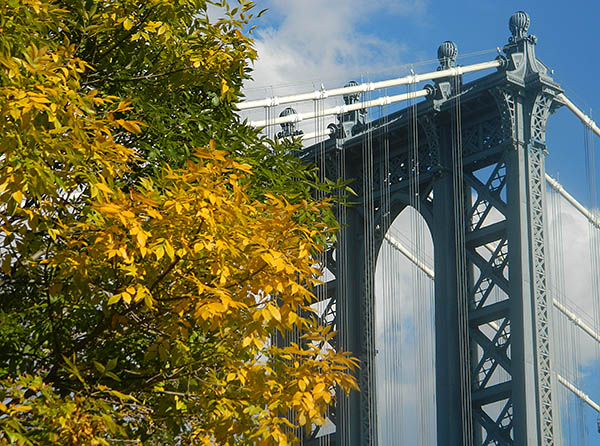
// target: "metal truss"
[[489, 301], [536, 187]]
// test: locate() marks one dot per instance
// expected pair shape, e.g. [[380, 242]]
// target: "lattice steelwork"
[[502, 137], [487, 254]]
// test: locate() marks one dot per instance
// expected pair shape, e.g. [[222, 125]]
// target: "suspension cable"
[[369, 86], [578, 393], [340, 109], [577, 112]]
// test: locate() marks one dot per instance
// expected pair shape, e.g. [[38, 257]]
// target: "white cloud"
[[321, 42], [317, 43]]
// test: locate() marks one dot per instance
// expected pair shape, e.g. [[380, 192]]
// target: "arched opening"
[[405, 333]]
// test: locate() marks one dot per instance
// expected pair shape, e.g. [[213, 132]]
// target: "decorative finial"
[[519, 24], [447, 53], [288, 128], [352, 97]]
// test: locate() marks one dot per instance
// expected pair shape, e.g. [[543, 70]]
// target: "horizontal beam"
[[368, 86], [577, 112], [492, 394], [340, 109], [490, 313]]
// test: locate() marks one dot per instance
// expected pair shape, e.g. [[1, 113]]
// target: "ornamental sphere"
[[447, 53], [519, 24]]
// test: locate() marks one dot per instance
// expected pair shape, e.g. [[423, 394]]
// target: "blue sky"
[[305, 43]]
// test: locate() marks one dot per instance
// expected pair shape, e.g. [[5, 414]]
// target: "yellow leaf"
[[104, 188], [110, 209], [266, 314], [39, 99], [224, 88], [274, 312], [23, 408], [319, 388], [17, 196], [301, 419], [141, 238], [169, 250], [148, 301], [131, 126], [159, 252], [127, 24], [123, 106]]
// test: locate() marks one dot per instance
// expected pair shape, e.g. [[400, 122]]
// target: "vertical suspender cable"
[[319, 159], [369, 253], [417, 313], [592, 167], [341, 304], [386, 347], [461, 272], [561, 324]]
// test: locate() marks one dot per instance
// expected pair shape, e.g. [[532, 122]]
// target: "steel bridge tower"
[[501, 293]]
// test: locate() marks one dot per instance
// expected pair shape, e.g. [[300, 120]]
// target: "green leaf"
[[99, 367], [112, 363]]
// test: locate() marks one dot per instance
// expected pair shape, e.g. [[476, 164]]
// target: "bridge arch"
[[404, 333]]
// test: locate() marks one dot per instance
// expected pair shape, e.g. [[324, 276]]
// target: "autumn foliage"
[[145, 270]]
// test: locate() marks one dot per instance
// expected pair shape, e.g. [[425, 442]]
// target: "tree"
[[152, 244]]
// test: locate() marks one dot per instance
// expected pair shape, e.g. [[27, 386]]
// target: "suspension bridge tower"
[[470, 158]]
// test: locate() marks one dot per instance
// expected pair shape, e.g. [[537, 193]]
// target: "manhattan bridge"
[[448, 278]]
